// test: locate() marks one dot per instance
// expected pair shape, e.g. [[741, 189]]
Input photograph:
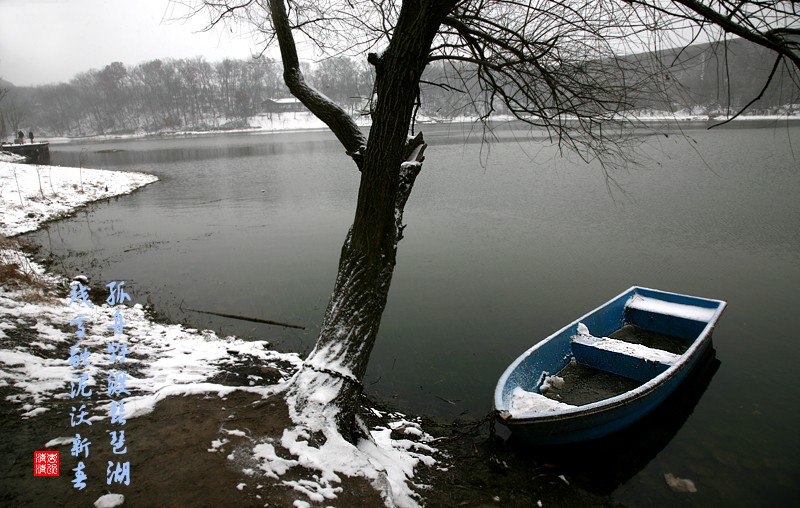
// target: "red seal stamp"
[[46, 462]]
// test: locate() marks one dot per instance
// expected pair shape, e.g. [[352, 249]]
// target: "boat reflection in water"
[[602, 465]]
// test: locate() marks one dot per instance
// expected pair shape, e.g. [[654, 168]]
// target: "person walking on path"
[[30, 136]]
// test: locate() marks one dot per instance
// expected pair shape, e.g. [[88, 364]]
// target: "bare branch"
[[556, 64], [342, 125], [756, 99], [764, 23]]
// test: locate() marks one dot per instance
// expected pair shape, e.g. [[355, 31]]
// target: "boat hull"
[[692, 320]]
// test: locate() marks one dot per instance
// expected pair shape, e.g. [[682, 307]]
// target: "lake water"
[[505, 243]]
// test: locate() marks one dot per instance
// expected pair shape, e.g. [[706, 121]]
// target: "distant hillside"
[[709, 79], [716, 76], [192, 94]]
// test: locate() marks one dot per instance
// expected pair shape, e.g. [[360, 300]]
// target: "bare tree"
[[772, 24], [16, 108], [3, 92], [554, 64]]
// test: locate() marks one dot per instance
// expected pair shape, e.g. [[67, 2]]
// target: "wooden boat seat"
[[664, 308], [675, 319], [634, 361]]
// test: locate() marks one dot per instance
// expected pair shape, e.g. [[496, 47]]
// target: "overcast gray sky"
[[49, 41]]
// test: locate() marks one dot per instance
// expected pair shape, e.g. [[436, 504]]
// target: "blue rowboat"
[[607, 369]]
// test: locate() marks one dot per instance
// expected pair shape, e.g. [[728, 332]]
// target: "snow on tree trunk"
[[328, 385]]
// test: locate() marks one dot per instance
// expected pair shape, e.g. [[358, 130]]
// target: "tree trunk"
[[329, 381]]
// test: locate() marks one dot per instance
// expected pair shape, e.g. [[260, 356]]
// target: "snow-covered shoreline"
[[31, 195], [259, 124], [299, 122], [162, 359]]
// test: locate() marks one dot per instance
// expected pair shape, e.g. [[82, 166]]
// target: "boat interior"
[[607, 366]]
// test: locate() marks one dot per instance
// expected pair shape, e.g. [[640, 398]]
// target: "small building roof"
[[285, 100]]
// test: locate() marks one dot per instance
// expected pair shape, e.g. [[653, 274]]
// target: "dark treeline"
[[195, 94], [170, 94]]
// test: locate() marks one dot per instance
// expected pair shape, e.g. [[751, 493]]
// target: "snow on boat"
[[607, 369]]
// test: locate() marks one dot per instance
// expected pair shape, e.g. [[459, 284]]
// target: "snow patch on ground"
[[59, 441], [386, 462], [30, 195], [294, 122], [109, 501], [164, 359], [679, 484]]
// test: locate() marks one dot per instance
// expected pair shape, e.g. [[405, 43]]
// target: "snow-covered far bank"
[[262, 123], [292, 122], [701, 115], [31, 195], [43, 360]]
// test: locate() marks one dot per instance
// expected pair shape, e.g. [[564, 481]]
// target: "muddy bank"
[[171, 464]]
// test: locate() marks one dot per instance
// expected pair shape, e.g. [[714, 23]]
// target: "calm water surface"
[[496, 256]]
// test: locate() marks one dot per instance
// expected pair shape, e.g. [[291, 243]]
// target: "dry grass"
[[18, 273]]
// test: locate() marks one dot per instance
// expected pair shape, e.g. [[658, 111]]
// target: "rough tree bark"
[[329, 381]]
